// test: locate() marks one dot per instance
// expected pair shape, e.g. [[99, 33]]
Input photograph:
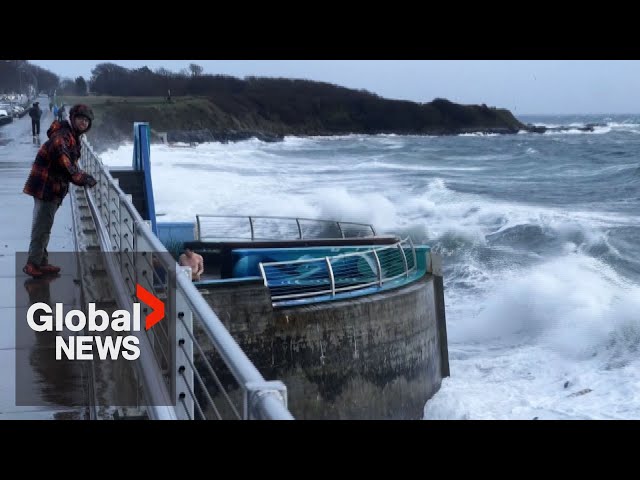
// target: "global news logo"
[[42, 318]]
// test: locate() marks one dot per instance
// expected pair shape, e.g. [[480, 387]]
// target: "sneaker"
[[46, 268], [31, 269]]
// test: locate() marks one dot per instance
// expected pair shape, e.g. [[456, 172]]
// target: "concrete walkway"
[[47, 388]]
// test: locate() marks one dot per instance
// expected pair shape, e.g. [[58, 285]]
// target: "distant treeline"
[[17, 75], [20, 76], [273, 106]]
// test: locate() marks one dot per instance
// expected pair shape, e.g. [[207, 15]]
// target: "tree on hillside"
[[196, 70], [67, 87], [81, 86], [164, 72], [11, 75], [46, 81], [108, 78]]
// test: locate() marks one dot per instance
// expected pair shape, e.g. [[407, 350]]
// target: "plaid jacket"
[[56, 165]]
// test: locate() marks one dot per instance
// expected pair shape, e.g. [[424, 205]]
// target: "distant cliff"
[[297, 110]]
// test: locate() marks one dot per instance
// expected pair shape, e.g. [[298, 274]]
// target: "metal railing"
[[238, 227], [207, 365], [339, 273]]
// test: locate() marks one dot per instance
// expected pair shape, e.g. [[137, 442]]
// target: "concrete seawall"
[[372, 357]]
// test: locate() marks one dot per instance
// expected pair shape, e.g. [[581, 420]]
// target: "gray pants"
[[43, 215]]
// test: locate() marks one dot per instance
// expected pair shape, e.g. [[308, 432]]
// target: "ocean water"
[[540, 236]]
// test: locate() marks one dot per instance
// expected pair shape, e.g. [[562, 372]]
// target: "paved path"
[[46, 388]]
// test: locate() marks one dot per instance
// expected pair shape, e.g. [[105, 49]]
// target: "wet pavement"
[[46, 388]]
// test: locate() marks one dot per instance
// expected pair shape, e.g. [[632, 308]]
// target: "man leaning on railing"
[[55, 166]]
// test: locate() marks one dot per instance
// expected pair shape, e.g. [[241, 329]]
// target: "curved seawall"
[[380, 356]]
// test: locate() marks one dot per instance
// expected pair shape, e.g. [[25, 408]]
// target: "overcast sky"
[[522, 86]]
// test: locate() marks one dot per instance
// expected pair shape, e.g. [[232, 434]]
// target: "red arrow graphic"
[[154, 302]]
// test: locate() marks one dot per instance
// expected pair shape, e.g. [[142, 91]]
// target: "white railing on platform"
[[140, 258], [330, 275]]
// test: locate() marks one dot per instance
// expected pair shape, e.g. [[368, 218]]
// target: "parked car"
[[5, 117], [17, 111]]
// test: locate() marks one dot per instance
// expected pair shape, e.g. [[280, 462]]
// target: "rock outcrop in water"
[[589, 127]]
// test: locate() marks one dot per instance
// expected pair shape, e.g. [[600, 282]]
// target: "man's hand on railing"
[[91, 182]]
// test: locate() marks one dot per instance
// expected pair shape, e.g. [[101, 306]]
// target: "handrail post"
[[264, 275], [331, 277], [99, 190], [124, 250], [108, 219], [184, 351], [117, 225], [379, 267], [299, 228], [404, 258], [413, 249]]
